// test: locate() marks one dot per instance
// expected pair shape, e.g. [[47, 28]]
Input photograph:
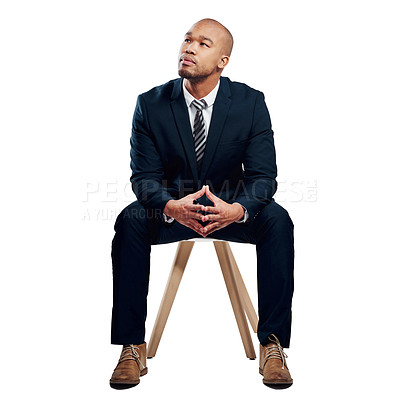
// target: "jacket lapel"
[[219, 114], [182, 121]]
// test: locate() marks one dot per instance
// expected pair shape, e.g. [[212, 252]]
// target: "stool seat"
[[240, 299]]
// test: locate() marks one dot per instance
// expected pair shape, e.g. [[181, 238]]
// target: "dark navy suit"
[[238, 165]]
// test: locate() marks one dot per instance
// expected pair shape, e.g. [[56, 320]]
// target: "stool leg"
[[229, 276], [178, 267], [243, 293]]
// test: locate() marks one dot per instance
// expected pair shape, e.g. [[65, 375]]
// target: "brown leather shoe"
[[131, 366], [273, 365]]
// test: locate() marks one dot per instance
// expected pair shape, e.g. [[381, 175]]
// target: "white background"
[[70, 75]]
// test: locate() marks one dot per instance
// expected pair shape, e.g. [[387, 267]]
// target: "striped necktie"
[[199, 131]]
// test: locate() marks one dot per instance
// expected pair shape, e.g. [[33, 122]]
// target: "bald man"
[[203, 165]]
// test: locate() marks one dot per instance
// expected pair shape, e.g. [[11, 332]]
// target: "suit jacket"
[[239, 162]]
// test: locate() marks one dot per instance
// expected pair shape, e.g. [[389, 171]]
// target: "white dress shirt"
[[207, 114], [207, 111]]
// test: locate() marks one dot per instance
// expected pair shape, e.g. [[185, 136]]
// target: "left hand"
[[222, 214]]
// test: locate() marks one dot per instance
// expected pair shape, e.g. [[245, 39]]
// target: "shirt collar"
[[209, 99]]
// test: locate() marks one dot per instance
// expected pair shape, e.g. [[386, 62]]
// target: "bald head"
[[226, 38], [205, 52]]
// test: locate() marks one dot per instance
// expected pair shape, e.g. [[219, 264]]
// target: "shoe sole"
[[127, 385], [275, 384]]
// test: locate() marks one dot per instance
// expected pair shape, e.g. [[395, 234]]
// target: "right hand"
[[184, 211]]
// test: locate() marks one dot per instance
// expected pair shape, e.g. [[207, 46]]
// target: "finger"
[[214, 210], [191, 225], [195, 207], [190, 206], [188, 209], [211, 195], [212, 217], [195, 215], [211, 227], [199, 193], [214, 227], [196, 224], [196, 227]]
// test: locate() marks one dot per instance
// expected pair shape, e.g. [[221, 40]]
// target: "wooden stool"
[[237, 291]]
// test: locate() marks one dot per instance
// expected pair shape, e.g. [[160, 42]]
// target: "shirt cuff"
[[245, 216], [168, 219]]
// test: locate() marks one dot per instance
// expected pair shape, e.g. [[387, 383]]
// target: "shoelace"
[[129, 352], [275, 351]]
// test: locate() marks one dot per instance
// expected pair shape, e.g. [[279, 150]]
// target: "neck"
[[200, 89]]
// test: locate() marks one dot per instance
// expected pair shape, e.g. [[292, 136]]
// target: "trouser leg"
[[275, 262], [136, 230], [130, 254], [272, 233]]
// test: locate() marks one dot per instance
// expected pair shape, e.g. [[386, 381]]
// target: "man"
[[203, 165]]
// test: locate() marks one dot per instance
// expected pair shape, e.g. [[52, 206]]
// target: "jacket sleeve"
[[260, 169], [147, 170]]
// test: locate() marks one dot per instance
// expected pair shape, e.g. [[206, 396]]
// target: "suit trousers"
[[138, 228]]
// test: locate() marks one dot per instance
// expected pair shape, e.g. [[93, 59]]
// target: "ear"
[[223, 62]]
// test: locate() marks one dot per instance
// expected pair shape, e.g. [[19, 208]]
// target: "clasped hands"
[[188, 214]]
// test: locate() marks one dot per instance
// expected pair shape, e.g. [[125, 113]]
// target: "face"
[[201, 53]]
